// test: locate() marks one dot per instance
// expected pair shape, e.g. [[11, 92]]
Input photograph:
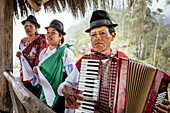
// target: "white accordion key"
[[86, 72], [88, 85]]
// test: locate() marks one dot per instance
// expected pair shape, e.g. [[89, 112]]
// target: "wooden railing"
[[21, 96]]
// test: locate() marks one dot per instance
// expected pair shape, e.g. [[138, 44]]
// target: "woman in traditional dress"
[[30, 48], [56, 63]]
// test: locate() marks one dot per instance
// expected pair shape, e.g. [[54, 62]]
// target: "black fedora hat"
[[58, 25], [100, 18], [31, 19]]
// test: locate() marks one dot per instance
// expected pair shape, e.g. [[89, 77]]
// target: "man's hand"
[[160, 108], [70, 95], [18, 54]]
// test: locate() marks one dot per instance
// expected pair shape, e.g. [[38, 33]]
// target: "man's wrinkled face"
[[101, 39], [30, 28]]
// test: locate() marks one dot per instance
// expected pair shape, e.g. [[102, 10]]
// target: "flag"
[[52, 70]]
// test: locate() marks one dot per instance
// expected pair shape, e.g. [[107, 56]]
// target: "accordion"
[[118, 85]]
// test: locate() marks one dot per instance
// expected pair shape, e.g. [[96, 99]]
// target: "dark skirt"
[[36, 90], [59, 107]]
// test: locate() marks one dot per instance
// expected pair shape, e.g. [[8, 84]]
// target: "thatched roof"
[[23, 7]]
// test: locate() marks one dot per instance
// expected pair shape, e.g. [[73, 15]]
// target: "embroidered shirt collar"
[[109, 56]]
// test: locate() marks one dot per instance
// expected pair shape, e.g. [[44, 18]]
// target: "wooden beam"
[[18, 107], [30, 102], [42, 2], [34, 5], [13, 99]]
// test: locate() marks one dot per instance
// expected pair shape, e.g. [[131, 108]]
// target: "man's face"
[[101, 39], [30, 28]]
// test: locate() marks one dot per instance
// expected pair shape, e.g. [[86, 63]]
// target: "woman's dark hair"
[[62, 40], [36, 33]]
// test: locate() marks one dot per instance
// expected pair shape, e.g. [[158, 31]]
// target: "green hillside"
[[80, 39]]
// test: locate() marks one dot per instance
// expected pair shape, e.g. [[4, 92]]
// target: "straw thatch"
[[77, 7], [23, 7]]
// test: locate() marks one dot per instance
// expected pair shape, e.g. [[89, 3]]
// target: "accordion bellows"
[[120, 86]]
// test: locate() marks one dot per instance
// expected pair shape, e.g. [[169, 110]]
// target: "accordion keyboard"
[[89, 84]]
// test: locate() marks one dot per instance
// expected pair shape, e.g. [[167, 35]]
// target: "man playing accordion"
[[102, 33]]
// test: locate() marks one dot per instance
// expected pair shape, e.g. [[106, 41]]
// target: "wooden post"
[[6, 52]]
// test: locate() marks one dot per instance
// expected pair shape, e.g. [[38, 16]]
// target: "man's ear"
[[113, 36]]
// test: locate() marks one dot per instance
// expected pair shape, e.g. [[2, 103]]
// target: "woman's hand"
[[35, 70], [70, 95], [18, 54], [160, 108]]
